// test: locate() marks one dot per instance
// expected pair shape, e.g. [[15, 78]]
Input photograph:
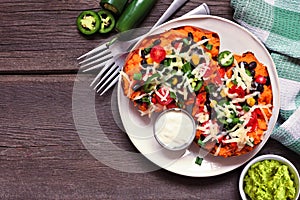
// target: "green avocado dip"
[[269, 179]]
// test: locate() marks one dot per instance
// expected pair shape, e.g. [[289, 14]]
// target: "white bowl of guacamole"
[[269, 177]]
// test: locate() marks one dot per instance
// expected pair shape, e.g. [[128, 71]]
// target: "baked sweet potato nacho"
[[235, 114]]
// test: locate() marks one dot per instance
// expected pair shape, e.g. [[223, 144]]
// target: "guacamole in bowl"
[[269, 177]]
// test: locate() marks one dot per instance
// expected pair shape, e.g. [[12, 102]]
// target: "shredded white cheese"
[[130, 82], [241, 77]]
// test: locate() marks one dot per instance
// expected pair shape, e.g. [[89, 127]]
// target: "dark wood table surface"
[[41, 154]]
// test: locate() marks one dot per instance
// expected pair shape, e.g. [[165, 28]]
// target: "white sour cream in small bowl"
[[174, 129]]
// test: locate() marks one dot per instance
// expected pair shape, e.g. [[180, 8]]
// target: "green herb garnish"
[[137, 76], [209, 46], [198, 160]]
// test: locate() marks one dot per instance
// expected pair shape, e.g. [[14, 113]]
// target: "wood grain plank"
[[42, 156], [42, 36]]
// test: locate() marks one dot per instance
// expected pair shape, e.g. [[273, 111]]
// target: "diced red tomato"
[[258, 112], [208, 72], [201, 109], [233, 144], [158, 53], [237, 90], [253, 123], [220, 139], [219, 76], [153, 100], [144, 106], [172, 105], [221, 72], [201, 98], [204, 123], [163, 91], [218, 80], [261, 79]]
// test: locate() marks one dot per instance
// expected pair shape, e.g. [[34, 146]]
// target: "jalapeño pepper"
[[88, 22], [115, 6], [107, 21], [134, 14], [225, 58]]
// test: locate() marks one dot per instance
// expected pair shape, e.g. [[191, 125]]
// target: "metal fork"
[[118, 45], [110, 72]]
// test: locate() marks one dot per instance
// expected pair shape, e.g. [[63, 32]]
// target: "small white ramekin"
[[190, 135]]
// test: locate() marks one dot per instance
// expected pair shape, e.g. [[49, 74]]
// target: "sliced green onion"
[[235, 120], [179, 104], [146, 100], [210, 88], [248, 72], [137, 76], [246, 108], [173, 71], [172, 95], [185, 41], [147, 50], [167, 62], [198, 160], [222, 102], [189, 74], [209, 46], [223, 121], [186, 67], [148, 87], [198, 86], [234, 82], [200, 142]]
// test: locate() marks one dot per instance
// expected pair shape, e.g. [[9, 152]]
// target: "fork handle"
[[172, 8], [200, 10]]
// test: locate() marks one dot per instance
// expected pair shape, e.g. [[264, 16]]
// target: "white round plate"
[[140, 129]]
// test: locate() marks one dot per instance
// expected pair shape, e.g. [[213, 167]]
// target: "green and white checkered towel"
[[277, 24]]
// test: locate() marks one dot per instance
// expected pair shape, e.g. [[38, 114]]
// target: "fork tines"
[[106, 78], [95, 58], [94, 51]]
